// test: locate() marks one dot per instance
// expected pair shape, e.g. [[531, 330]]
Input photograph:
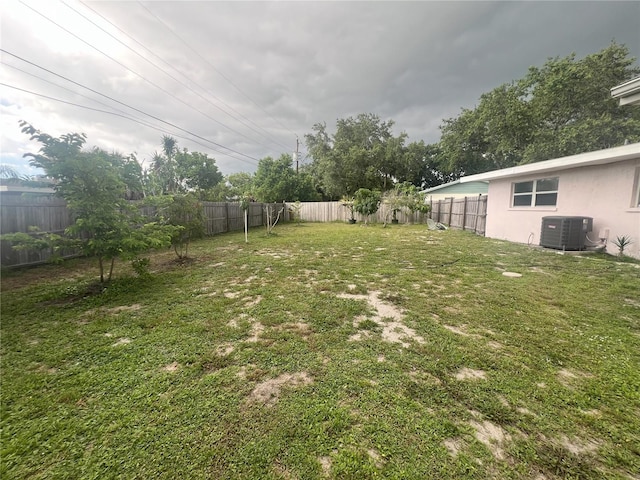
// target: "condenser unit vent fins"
[[565, 233]]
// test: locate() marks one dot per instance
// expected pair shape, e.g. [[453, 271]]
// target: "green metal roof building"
[[456, 189]]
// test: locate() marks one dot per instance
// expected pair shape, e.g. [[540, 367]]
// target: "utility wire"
[[137, 74], [213, 67], [74, 92], [109, 113], [129, 106], [134, 119], [171, 76]]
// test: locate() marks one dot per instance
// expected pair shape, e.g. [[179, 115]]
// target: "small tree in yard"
[[394, 201], [185, 211], [272, 216], [106, 226], [347, 202], [366, 202], [415, 200]]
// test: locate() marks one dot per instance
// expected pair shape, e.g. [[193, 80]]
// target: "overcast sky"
[[239, 80]]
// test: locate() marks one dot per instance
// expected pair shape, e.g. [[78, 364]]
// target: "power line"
[[128, 106], [171, 76], [141, 122], [132, 71], [213, 67], [117, 115], [67, 89]]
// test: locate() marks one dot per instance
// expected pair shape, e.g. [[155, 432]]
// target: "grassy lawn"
[[326, 351]]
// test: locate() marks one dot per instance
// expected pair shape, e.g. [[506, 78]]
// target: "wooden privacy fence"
[[50, 214], [335, 212], [468, 213]]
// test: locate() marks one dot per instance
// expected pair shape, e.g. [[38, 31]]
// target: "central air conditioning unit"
[[565, 233]]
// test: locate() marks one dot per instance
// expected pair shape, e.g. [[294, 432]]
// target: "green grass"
[[167, 377]]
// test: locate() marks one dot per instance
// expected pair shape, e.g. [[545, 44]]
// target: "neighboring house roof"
[[598, 157], [457, 187], [628, 93], [19, 189]]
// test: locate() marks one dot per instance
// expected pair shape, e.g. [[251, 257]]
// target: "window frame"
[[635, 194], [534, 193]]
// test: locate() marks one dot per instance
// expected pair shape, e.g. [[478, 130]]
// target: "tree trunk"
[[101, 269]]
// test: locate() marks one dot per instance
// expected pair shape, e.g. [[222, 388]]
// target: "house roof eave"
[[627, 93], [598, 157]]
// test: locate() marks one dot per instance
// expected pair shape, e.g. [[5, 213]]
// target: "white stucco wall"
[[604, 192]]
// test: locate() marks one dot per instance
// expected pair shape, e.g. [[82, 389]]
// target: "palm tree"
[[170, 148]]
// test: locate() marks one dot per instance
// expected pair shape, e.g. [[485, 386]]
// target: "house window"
[[536, 193]]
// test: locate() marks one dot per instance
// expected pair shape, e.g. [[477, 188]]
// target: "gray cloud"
[[280, 67]]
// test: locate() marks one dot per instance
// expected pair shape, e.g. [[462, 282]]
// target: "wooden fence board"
[[18, 213]]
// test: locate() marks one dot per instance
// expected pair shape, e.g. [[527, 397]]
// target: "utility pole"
[[297, 144]]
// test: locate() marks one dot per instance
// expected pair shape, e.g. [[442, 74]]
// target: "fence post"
[[475, 224], [464, 213], [450, 211]]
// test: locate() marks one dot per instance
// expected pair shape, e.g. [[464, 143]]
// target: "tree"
[[196, 172], [366, 202], [363, 153], [93, 183], [240, 184], [404, 196], [277, 181], [562, 108], [174, 171], [186, 212]]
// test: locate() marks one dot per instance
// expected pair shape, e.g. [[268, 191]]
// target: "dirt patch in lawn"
[[300, 328], [172, 367], [492, 436], [388, 316], [470, 374], [453, 445], [268, 392], [122, 341], [461, 330], [375, 456], [224, 349], [579, 446], [568, 377], [252, 302], [325, 465], [124, 308]]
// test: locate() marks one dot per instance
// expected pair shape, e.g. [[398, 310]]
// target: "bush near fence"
[[50, 214]]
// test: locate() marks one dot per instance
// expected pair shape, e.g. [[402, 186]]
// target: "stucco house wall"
[[604, 185]]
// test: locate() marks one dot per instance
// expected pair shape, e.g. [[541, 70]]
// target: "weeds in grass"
[[238, 364]]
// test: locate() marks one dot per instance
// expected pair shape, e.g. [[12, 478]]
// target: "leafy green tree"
[[363, 153], [186, 212], [403, 197], [421, 165], [366, 202], [562, 108], [240, 184], [277, 181], [106, 225], [196, 172], [174, 171]]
